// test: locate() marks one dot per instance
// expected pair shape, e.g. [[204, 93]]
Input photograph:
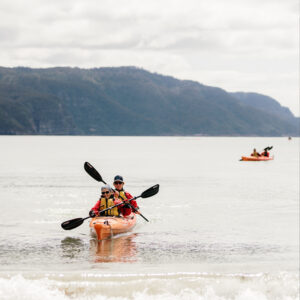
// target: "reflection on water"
[[71, 247], [120, 249]]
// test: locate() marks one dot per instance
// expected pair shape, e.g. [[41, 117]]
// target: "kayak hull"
[[254, 158], [107, 227]]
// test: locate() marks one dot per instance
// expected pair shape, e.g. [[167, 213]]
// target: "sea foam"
[[283, 286]]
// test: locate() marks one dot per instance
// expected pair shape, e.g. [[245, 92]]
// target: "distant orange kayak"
[[106, 227], [254, 158]]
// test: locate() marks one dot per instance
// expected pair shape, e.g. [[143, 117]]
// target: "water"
[[219, 228]]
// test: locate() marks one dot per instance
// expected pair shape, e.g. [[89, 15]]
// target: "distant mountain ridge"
[[264, 103], [131, 101]]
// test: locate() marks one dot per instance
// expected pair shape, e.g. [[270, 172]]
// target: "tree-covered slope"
[[126, 101], [264, 103]]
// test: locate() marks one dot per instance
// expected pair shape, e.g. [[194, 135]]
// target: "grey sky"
[[238, 45]]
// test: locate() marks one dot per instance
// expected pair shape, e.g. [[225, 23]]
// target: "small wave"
[[283, 286]]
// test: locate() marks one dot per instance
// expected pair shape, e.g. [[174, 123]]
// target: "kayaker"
[[106, 200], [255, 153], [121, 194], [265, 153]]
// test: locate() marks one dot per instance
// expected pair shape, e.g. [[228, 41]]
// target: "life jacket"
[[125, 210], [105, 203], [122, 195]]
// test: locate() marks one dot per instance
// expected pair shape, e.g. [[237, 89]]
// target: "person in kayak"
[[106, 200], [255, 153], [122, 195], [265, 153]]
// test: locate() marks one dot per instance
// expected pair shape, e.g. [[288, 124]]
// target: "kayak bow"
[[107, 227]]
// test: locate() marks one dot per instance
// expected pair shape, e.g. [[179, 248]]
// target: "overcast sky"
[[238, 45]]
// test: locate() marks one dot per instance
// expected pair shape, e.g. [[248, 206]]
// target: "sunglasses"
[[103, 193], [118, 182]]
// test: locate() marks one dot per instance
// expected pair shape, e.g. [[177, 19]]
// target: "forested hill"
[[131, 101]]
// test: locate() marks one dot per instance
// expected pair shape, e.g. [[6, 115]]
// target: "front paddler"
[[121, 194], [106, 200]]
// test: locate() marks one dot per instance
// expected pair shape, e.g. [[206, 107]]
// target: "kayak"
[[254, 158], [106, 227]]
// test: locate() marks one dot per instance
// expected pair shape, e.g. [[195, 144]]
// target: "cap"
[[118, 178]]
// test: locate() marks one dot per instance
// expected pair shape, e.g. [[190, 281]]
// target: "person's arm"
[[95, 209], [121, 208], [125, 209], [133, 202]]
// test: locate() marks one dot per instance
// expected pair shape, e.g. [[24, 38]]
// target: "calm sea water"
[[219, 228]]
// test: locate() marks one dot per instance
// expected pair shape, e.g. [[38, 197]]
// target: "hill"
[[131, 101]]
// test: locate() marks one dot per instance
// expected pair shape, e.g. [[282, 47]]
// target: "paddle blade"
[[71, 224], [151, 191], [93, 172], [268, 148]]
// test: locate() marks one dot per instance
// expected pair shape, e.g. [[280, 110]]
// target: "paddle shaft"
[[127, 202], [109, 208], [132, 207]]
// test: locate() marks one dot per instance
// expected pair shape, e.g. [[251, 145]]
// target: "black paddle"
[[71, 224], [94, 173], [268, 148]]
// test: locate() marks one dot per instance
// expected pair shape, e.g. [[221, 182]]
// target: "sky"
[[237, 45]]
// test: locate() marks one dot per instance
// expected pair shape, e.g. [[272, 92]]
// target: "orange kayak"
[[254, 158], [106, 227]]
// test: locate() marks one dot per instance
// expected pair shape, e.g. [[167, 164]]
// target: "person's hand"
[[92, 214]]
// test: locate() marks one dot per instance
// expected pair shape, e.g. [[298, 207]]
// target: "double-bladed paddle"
[[71, 224], [95, 174]]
